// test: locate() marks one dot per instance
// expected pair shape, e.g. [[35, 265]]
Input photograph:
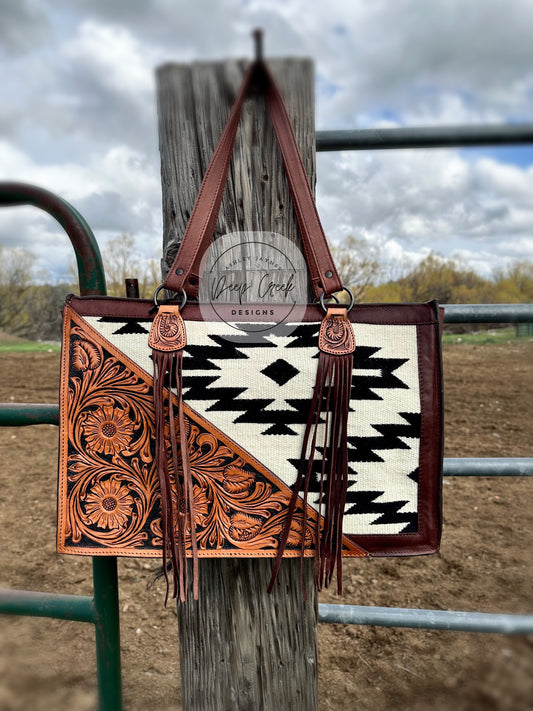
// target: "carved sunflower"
[[335, 330], [108, 504], [107, 430]]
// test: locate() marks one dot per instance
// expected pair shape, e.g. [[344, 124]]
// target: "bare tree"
[[16, 280], [358, 265], [122, 261]]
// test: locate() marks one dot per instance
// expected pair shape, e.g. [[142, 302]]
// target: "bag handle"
[[183, 275]]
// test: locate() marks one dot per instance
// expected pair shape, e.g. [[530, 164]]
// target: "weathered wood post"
[[241, 649]]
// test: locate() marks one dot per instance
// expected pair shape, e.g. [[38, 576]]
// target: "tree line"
[[451, 283], [374, 280], [30, 306], [32, 309]]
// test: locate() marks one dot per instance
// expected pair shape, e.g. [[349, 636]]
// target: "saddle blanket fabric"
[[247, 390]]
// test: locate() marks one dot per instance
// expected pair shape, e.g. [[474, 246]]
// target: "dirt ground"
[[485, 564]]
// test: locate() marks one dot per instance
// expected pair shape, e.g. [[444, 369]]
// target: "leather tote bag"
[[193, 429]]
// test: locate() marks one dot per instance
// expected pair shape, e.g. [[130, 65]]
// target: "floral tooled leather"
[[168, 330], [109, 504], [336, 335], [108, 488]]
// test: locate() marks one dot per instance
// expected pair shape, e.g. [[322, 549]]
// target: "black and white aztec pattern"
[[257, 391]]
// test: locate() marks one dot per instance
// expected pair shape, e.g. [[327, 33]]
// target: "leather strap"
[[184, 273]]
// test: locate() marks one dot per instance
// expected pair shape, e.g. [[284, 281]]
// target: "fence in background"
[[521, 314], [102, 610]]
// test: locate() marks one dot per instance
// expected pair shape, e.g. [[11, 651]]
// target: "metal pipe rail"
[[454, 620], [77, 608], [15, 415], [488, 313], [488, 466], [90, 268], [102, 610], [424, 137], [450, 620]]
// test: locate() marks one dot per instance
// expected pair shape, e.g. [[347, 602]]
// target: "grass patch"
[[29, 347], [496, 335], [14, 344]]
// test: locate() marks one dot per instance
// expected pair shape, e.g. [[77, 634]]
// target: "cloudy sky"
[[78, 116]]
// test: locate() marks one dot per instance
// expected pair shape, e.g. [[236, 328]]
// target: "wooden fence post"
[[240, 648]]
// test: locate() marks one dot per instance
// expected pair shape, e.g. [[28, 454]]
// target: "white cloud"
[[70, 180], [116, 192], [504, 179], [78, 112], [438, 62], [119, 169], [113, 57], [428, 200]]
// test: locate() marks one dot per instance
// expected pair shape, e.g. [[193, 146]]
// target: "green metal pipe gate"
[[102, 609]]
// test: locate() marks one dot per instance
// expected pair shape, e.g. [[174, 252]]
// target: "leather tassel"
[[167, 340], [326, 436]]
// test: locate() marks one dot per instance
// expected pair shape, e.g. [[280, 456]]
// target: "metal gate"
[[101, 609], [443, 137]]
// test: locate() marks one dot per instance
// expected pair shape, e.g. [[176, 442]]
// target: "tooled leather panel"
[[108, 495]]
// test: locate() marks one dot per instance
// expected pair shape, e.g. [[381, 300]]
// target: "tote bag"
[[190, 429]]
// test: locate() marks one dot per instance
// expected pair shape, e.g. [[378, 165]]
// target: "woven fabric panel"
[[257, 391]]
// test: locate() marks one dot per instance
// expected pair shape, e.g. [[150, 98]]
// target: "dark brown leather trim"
[[385, 314]]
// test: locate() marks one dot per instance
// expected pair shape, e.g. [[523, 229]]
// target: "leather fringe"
[[167, 339], [326, 432]]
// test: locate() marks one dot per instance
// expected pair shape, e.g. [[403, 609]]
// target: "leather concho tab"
[[336, 335], [328, 419], [168, 330], [167, 340]]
